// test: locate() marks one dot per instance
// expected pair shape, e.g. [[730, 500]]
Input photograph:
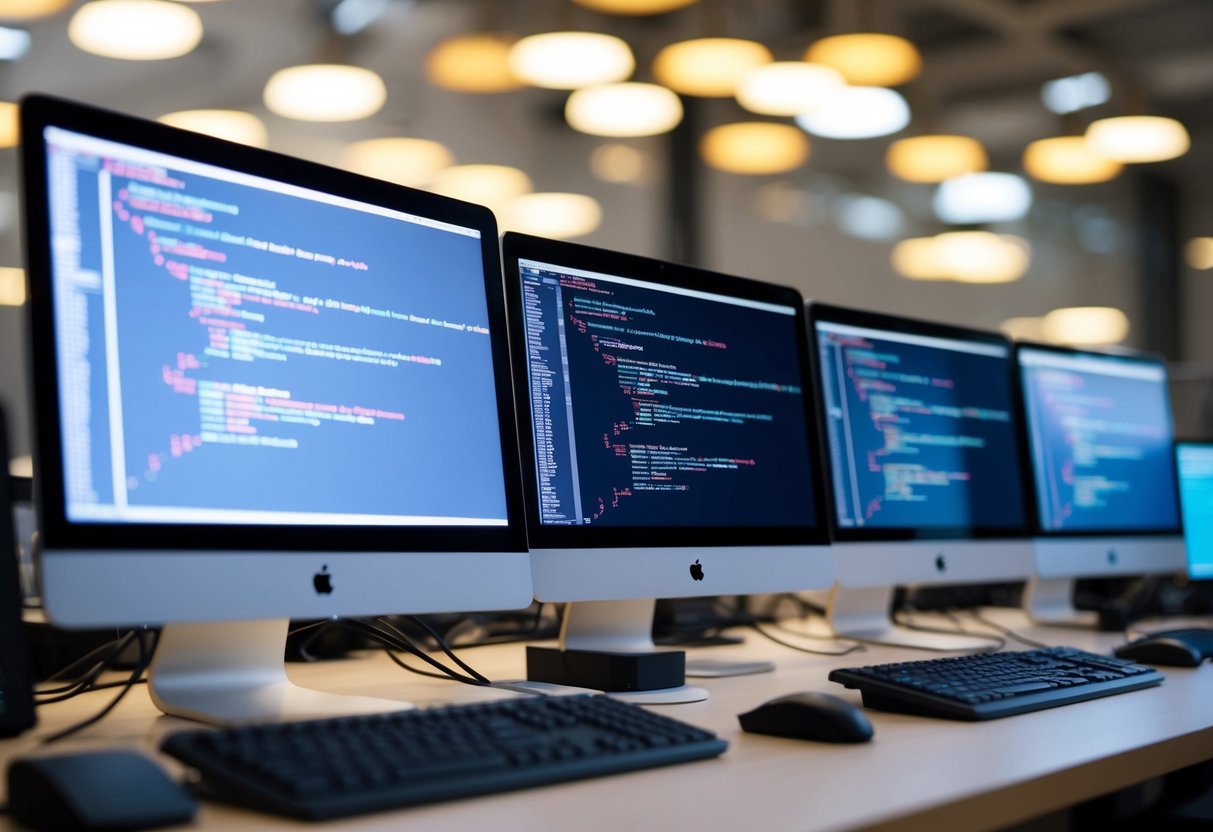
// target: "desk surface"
[[917, 773]]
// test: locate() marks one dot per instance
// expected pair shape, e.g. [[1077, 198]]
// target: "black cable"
[[145, 656], [1007, 631], [394, 639], [996, 643], [854, 648], [89, 656], [446, 648], [83, 682]]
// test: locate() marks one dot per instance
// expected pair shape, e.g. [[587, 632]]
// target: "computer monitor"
[[1099, 430], [926, 480], [666, 434], [264, 389], [1194, 462]]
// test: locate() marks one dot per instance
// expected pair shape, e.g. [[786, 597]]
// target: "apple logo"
[[323, 581], [1111, 557], [696, 570], [941, 563]]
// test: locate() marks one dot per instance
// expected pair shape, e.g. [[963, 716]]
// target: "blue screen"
[[1100, 429], [1196, 498], [921, 431], [656, 406], [237, 350]]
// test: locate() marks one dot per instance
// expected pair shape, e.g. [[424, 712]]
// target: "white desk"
[[917, 773]]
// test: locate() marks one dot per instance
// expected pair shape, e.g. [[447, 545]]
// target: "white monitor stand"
[[859, 607], [1049, 596]]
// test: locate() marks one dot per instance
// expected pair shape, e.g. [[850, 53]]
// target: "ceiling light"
[[14, 43], [868, 217], [477, 63], [1086, 325], [1067, 160], [982, 198], [233, 125], [708, 67], [754, 147], [30, 9], [405, 161], [570, 60], [1199, 253], [1024, 329], [868, 59], [787, 88], [623, 110], [12, 286], [1138, 139], [935, 158], [554, 215], [620, 164], [135, 30], [982, 257], [491, 185], [349, 17], [10, 124], [635, 7], [916, 259], [325, 92], [857, 113], [1078, 92]]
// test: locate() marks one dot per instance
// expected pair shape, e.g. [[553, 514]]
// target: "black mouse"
[[809, 716], [1168, 651], [95, 790]]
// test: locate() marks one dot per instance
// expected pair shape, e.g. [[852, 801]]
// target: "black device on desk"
[[992, 685], [809, 716], [16, 674], [1186, 647], [338, 767]]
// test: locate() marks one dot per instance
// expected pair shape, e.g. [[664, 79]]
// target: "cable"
[[855, 648], [86, 680], [145, 656], [446, 648], [996, 643], [392, 638], [1007, 631]]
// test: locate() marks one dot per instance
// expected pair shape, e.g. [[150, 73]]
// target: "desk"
[[918, 773]]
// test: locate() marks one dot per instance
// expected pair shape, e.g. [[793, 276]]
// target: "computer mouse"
[[809, 716], [1168, 651], [96, 790]]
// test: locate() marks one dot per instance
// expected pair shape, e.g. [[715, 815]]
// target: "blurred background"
[[1045, 166]]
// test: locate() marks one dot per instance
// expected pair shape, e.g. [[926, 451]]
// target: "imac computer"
[[667, 439], [264, 390], [1099, 431], [926, 480], [1194, 462]]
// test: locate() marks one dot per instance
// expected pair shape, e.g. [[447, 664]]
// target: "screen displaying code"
[[1101, 437], [921, 430], [235, 349], [1196, 499], [658, 406]]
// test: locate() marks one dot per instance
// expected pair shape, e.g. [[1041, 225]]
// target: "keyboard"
[[337, 767], [993, 685]]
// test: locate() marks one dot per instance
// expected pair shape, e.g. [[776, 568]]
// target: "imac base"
[[1050, 601], [232, 673], [863, 613], [602, 634]]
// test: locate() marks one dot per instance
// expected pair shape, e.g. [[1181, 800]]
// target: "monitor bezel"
[[1140, 356], [829, 313], [517, 247], [39, 112]]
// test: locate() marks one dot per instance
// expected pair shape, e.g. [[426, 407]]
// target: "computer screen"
[[662, 406], [264, 389], [921, 428], [1195, 463], [1101, 443]]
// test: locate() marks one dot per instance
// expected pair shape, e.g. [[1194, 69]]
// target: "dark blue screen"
[[921, 431], [232, 349], [653, 406], [1102, 450]]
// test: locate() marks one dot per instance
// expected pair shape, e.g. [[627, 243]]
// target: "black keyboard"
[[992, 685], [344, 766]]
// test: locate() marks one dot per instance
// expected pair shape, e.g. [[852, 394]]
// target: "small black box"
[[607, 671]]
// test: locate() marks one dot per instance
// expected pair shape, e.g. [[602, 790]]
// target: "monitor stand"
[[863, 613], [233, 673], [600, 630], [1050, 601]]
